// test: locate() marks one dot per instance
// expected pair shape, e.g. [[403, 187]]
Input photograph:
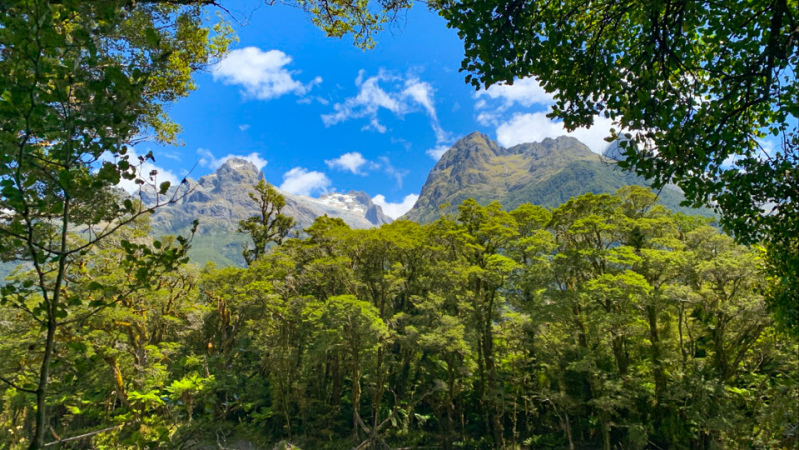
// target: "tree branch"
[[75, 438], [16, 386]]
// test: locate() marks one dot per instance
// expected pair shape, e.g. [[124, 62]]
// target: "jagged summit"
[[232, 173], [547, 173], [357, 201], [221, 199]]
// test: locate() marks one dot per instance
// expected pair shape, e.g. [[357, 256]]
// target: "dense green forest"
[[608, 322]]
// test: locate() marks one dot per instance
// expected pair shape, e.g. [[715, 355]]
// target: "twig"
[[15, 386], [75, 438]]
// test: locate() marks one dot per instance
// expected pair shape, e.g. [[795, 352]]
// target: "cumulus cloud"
[[525, 92], [143, 171], [437, 152], [351, 162], [261, 74], [393, 93], [535, 127], [487, 118], [301, 181], [210, 161], [395, 210]]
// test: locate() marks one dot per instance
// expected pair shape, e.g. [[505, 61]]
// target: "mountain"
[[220, 200], [545, 173]]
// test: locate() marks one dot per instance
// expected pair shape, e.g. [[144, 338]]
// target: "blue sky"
[[320, 115]]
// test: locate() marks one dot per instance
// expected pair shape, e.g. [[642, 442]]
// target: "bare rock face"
[[220, 200], [546, 173]]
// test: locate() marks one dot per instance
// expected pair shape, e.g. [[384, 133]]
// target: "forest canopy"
[[701, 94], [608, 321]]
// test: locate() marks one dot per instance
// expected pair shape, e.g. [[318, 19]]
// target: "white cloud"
[[536, 127], [400, 97], [300, 181], [390, 170], [526, 92], [766, 149], [369, 100], [395, 210], [262, 75], [375, 124], [422, 93], [209, 160], [143, 171], [488, 118], [405, 144], [352, 162], [244, 127], [437, 152], [170, 155]]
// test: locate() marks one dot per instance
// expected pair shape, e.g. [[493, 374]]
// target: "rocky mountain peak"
[[472, 150], [546, 173], [221, 199], [359, 202], [239, 166], [233, 172], [561, 146]]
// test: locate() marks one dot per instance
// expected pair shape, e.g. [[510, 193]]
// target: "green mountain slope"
[[545, 173]]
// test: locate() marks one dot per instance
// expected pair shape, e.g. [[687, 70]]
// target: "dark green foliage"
[[606, 322], [270, 226], [80, 83], [703, 94]]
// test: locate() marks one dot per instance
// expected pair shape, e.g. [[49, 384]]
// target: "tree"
[[81, 81], [485, 231], [354, 329], [337, 18], [271, 226], [694, 90], [607, 322]]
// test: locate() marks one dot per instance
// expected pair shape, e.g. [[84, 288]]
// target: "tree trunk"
[[605, 433], [119, 385], [356, 401], [488, 351], [41, 388], [52, 326], [335, 373], [657, 363], [620, 354], [451, 403], [378, 394]]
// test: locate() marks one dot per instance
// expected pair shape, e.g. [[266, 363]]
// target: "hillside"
[[220, 200], [545, 173]]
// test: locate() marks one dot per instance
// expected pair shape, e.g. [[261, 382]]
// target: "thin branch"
[[75, 438], [16, 386]]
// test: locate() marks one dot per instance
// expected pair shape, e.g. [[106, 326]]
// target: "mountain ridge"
[[221, 199], [546, 173]]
